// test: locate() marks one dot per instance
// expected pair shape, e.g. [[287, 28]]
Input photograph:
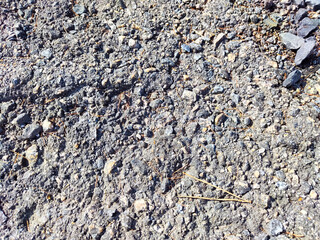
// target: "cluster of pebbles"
[[108, 108]]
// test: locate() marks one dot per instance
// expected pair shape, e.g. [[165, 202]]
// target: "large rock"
[[305, 50], [291, 41], [306, 26]]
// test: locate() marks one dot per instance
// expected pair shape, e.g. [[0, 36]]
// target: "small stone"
[[313, 194], [291, 41], [305, 50], [302, 12], [22, 119], [186, 48], [269, 4], [7, 107], [306, 26], [282, 186], [3, 217], [248, 122], [242, 188], [47, 53], [221, 118], [218, 89], [31, 131], [150, 70], [47, 126], [79, 9], [32, 154], [165, 185], [293, 78], [275, 227], [189, 95], [140, 205], [133, 43], [218, 40], [3, 120], [109, 166], [265, 201]]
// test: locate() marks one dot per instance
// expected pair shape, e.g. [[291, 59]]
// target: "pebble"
[[3, 217], [47, 126], [305, 50], [47, 53], [7, 107], [189, 95], [3, 120], [186, 48], [140, 205], [31, 131], [282, 186], [275, 227], [22, 119], [218, 40], [32, 154], [300, 3], [313, 194], [306, 26], [221, 118], [218, 89], [79, 9], [291, 41], [293, 78], [265, 201]]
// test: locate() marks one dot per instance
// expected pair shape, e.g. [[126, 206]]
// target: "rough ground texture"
[[105, 104]]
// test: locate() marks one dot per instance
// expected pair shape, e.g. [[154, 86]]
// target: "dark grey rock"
[[291, 41], [22, 119], [31, 131], [275, 227], [79, 9], [305, 50], [293, 78], [306, 26], [302, 12], [47, 53], [3, 120]]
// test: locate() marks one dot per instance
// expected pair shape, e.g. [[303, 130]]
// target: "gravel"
[[106, 104]]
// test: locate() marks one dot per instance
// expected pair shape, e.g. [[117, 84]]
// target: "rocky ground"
[[110, 108]]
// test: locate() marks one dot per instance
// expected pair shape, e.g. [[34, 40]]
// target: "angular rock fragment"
[[31, 131], [305, 50], [292, 79], [275, 227], [307, 25], [302, 12], [291, 41]]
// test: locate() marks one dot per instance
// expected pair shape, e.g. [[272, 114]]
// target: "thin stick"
[[200, 180], [216, 199]]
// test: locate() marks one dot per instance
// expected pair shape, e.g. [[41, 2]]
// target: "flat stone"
[[275, 227], [305, 50], [291, 41], [302, 12], [31, 131], [292, 79], [306, 26], [22, 119], [218, 40]]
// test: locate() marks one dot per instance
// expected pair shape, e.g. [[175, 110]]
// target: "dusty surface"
[[106, 104]]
